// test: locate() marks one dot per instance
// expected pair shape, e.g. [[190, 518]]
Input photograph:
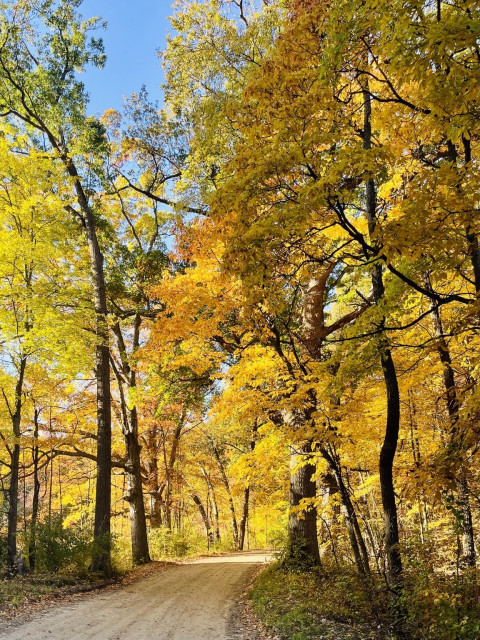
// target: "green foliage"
[[300, 606], [443, 606], [169, 544], [295, 556], [303, 605], [62, 548]]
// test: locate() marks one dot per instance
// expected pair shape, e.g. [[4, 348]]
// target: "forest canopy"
[[247, 316]]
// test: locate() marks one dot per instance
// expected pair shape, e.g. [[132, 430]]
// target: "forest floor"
[[329, 605], [201, 599]]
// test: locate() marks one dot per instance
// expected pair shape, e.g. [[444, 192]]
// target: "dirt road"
[[194, 601]]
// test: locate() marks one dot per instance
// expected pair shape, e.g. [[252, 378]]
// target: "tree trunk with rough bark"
[[16, 416], [35, 499], [302, 545], [453, 406], [389, 447], [154, 489], [170, 472], [102, 556], [126, 379], [134, 495]]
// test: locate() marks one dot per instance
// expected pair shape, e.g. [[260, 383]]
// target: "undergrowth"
[[337, 604]]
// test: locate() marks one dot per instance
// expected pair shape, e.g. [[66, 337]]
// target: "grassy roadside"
[[336, 604], [310, 606]]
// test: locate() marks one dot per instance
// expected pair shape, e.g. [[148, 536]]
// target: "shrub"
[[59, 547], [170, 544]]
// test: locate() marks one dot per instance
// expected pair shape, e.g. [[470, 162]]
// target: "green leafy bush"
[[62, 548], [169, 544]]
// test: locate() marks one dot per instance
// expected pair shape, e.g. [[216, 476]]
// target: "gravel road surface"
[[194, 601]]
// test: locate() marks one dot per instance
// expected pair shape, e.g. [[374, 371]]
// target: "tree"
[[42, 49], [35, 241]]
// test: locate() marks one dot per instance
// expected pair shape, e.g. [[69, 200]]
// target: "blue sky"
[[136, 28]]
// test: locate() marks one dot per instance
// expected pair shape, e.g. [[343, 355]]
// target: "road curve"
[[194, 601]]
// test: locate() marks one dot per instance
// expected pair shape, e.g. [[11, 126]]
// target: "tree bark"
[[35, 499], [102, 557], [226, 484], [134, 495], [205, 518], [246, 496], [389, 447], [16, 416], [302, 545], [453, 406], [314, 331], [13, 510], [214, 503], [355, 535], [170, 472], [472, 234]]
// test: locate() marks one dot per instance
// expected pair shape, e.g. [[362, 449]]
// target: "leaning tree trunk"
[[355, 535], [205, 518], [389, 447], [226, 484]]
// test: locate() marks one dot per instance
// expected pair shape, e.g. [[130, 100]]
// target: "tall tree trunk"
[[214, 503], [302, 545], [389, 447], [246, 495], [453, 406], [134, 495], [16, 417], [36, 496], [243, 520], [472, 234], [170, 471], [226, 484], [154, 489], [13, 509], [422, 511], [102, 556]]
